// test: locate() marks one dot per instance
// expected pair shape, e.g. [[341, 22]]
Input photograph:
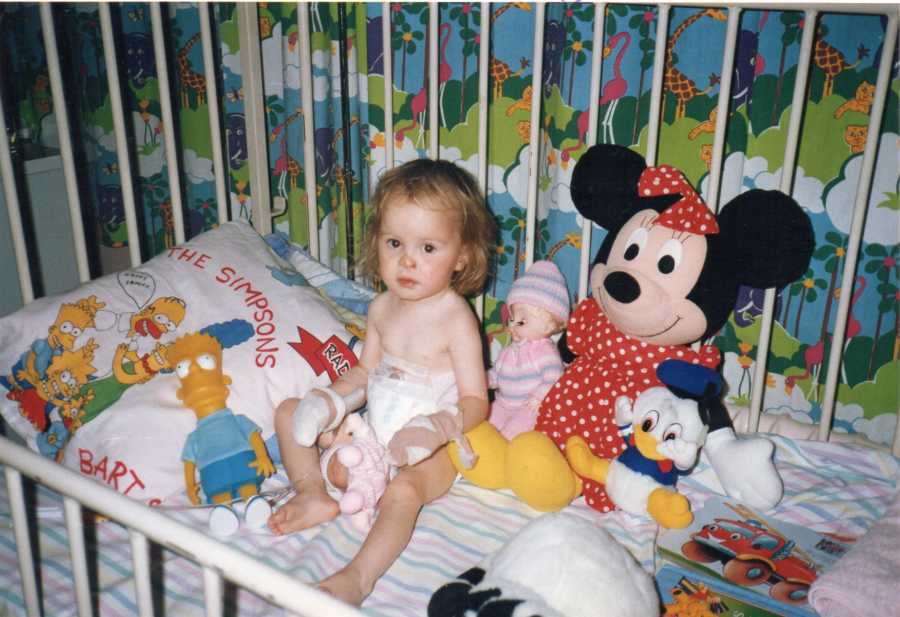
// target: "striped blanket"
[[829, 487]]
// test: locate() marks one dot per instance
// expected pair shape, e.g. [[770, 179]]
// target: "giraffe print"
[[190, 80], [682, 87]]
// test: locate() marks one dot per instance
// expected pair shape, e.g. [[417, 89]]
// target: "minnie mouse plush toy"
[[666, 275]]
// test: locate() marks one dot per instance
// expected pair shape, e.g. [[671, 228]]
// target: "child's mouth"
[[406, 282]]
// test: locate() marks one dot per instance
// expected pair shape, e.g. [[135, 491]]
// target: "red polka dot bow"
[[689, 213]]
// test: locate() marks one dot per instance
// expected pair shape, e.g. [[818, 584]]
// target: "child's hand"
[[311, 417], [421, 436]]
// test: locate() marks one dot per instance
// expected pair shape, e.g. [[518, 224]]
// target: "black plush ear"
[[769, 237], [604, 183]]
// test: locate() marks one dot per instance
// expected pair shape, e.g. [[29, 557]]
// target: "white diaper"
[[398, 391]]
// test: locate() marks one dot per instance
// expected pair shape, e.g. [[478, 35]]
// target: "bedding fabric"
[[830, 487], [84, 377]]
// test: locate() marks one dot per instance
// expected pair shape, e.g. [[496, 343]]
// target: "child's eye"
[[393, 243], [430, 248]]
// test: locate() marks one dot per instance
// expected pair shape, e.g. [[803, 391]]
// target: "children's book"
[[762, 562], [685, 594]]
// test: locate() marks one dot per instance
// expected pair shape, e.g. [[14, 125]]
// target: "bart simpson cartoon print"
[[71, 321]]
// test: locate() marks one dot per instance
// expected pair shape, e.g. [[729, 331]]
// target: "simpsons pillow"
[[84, 376]]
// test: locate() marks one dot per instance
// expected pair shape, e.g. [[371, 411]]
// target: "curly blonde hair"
[[438, 185]]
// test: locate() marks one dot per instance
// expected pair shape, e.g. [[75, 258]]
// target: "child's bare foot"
[[306, 509], [346, 585]]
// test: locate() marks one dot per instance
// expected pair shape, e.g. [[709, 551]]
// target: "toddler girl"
[[421, 370], [529, 366]]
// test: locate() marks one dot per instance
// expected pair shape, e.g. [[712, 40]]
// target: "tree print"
[[404, 37], [515, 225], [575, 47], [883, 263], [471, 40], [642, 21], [806, 289], [832, 253], [793, 29]]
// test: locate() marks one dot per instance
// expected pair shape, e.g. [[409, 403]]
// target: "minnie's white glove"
[[319, 411], [745, 468]]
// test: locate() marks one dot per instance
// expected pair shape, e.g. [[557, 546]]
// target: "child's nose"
[[407, 261]]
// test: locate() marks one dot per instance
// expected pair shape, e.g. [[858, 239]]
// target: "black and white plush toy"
[[559, 565]]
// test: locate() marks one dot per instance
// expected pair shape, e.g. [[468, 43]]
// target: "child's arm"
[[322, 409]]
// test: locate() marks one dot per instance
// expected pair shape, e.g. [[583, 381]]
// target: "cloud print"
[[198, 169], [741, 174], [881, 223], [231, 61]]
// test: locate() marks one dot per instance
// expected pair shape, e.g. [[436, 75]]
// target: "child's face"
[[419, 249], [529, 323]]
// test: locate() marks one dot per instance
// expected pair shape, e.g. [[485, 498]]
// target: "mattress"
[[839, 488]]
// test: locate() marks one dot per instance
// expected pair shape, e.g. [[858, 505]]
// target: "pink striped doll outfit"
[[526, 369]]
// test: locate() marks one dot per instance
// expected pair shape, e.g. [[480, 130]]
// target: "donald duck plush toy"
[[664, 430]]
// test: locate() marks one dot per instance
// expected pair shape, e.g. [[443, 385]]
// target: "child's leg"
[[311, 505], [397, 513]]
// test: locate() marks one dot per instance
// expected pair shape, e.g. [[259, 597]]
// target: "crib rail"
[[219, 561]]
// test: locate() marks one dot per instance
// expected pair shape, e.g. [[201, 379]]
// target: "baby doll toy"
[[664, 430], [666, 276], [526, 369], [226, 448], [359, 481]]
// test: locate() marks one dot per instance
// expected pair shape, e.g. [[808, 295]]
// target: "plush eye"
[[650, 420], [76, 332], [635, 243], [673, 432], [206, 362], [182, 368], [67, 378], [65, 327], [669, 256]]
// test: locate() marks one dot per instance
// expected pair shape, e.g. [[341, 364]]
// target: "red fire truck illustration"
[[753, 553]]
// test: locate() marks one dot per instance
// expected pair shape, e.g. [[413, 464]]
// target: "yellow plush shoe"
[[670, 509], [539, 474], [491, 447]]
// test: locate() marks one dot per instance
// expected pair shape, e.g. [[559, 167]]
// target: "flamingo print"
[[418, 106], [582, 124], [616, 87]]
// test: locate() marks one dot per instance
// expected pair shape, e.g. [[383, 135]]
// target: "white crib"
[[219, 561]]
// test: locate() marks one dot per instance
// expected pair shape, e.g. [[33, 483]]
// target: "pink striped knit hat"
[[542, 286]]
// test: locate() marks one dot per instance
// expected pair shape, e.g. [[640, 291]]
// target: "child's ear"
[[463, 260]]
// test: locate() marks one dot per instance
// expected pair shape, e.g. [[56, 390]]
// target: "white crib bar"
[[13, 210], [254, 116], [434, 120], [534, 144], [140, 557], [483, 94], [75, 532], [23, 541], [309, 129], [792, 147], [722, 105], [212, 105], [60, 110], [270, 583], [386, 60], [168, 121], [584, 263], [656, 91], [212, 591], [121, 132], [856, 228]]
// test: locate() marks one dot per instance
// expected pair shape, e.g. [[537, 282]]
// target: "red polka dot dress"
[[609, 364]]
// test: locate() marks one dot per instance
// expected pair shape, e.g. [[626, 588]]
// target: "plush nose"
[[622, 287]]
